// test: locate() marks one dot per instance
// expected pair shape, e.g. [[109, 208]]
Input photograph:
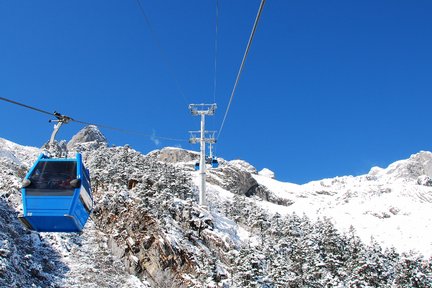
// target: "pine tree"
[[413, 271]]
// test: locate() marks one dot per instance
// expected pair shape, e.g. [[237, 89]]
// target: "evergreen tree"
[[413, 271]]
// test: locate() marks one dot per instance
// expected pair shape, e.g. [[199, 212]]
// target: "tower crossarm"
[[202, 109]]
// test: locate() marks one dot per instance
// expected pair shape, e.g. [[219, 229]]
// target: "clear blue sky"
[[329, 88]]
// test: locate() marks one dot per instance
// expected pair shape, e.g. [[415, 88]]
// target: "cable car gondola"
[[214, 163], [56, 195]]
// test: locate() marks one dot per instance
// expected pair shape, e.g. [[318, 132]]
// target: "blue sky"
[[329, 88]]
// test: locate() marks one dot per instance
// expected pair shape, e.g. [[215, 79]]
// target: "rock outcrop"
[[88, 136], [236, 177], [155, 227], [410, 169], [174, 155]]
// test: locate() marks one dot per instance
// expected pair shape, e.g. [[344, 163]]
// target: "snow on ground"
[[212, 190], [225, 227], [16, 153], [395, 215], [389, 209], [280, 189], [87, 257]]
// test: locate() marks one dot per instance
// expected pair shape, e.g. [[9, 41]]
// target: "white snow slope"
[[392, 205]]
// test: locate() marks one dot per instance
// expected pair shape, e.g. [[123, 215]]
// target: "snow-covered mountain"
[[392, 205], [148, 231]]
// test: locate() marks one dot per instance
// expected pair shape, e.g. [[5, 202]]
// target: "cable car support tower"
[[204, 137]]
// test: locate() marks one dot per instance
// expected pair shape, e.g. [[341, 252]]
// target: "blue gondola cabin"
[[56, 195], [214, 163]]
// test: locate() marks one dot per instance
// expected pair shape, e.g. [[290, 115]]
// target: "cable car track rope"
[[162, 53], [55, 114], [242, 65], [26, 106], [216, 51]]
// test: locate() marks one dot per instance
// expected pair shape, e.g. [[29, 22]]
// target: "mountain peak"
[[267, 173], [88, 134], [243, 165], [419, 164]]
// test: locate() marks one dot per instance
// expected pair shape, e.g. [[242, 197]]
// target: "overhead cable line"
[[66, 119], [162, 53], [26, 106], [133, 132], [242, 64], [216, 51]]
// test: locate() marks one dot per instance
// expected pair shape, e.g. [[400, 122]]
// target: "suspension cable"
[[27, 106], [162, 53], [69, 119], [216, 51], [242, 63]]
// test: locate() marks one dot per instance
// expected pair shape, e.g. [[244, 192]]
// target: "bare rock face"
[[243, 165], [235, 180], [88, 136], [174, 155], [155, 227], [238, 179], [424, 180]]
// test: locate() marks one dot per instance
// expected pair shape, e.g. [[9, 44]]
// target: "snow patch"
[[267, 173]]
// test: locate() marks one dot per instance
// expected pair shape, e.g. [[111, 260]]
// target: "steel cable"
[[242, 64], [60, 116]]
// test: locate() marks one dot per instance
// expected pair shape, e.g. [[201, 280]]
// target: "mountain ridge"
[[252, 233]]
